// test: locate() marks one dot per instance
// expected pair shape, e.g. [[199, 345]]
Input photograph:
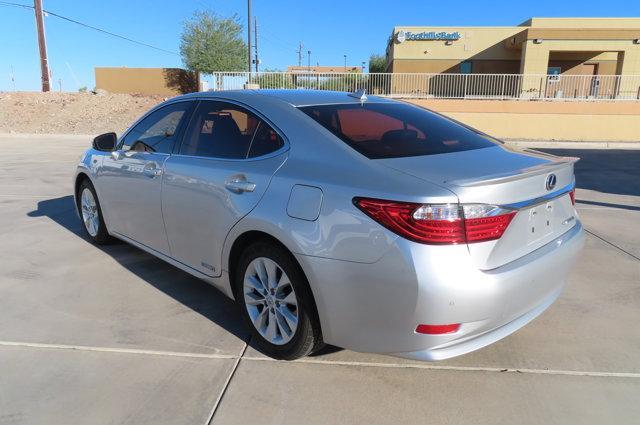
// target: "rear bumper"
[[476, 341], [376, 307]]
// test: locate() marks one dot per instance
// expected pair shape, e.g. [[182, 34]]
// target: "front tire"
[[276, 302], [91, 214]]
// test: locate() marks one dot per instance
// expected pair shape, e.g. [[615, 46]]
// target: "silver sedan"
[[366, 223]]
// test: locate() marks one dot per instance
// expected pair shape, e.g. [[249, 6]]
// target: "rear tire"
[[91, 214], [276, 303]]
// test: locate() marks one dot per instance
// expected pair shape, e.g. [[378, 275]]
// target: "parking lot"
[[97, 335]]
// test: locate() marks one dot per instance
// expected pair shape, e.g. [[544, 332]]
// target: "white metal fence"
[[444, 86]]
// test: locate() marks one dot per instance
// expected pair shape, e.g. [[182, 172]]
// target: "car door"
[[226, 160], [130, 179]]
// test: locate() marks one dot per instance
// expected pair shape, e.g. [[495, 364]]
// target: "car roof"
[[294, 97]]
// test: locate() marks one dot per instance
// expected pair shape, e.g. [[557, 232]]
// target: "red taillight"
[[437, 329], [487, 228], [572, 195], [399, 218], [438, 224]]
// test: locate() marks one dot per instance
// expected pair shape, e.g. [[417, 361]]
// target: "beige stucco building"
[[162, 81], [586, 46]]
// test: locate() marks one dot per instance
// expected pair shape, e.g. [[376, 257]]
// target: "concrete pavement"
[[112, 335]]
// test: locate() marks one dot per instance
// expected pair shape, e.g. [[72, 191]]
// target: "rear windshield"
[[395, 130]]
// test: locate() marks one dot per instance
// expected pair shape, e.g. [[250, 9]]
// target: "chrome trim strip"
[[280, 151], [542, 199]]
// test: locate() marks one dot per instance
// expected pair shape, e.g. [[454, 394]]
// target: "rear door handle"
[[239, 184]]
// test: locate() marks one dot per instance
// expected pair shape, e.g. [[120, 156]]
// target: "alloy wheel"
[[270, 301], [89, 209]]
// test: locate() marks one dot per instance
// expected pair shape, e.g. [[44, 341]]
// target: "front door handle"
[[120, 154], [239, 184], [117, 155], [152, 170]]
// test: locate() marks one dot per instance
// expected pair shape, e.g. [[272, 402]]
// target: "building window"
[[554, 73], [465, 67]]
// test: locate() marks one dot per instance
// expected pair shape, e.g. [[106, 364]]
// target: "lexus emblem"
[[551, 181]]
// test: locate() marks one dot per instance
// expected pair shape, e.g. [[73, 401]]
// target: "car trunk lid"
[[509, 178]]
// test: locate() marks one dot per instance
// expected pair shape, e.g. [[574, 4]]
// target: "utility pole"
[[299, 52], [256, 43], [249, 33], [13, 78], [42, 45]]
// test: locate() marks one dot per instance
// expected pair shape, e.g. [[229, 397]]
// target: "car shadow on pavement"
[[188, 290], [608, 205]]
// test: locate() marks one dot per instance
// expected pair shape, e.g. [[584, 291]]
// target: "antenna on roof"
[[360, 95]]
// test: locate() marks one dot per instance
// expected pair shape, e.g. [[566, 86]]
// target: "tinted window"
[[157, 132], [265, 141], [393, 130], [219, 130], [224, 130]]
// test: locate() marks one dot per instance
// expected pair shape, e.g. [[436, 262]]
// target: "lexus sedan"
[[365, 223]]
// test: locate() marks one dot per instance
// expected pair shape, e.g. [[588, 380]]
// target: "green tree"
[[210, 43], [377, 63]]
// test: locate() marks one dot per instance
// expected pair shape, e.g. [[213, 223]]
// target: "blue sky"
[[328, 28]]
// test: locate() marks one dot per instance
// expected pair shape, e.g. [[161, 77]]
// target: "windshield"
[[395, 130]]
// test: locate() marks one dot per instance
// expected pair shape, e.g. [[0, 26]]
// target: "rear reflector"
[[441, 224], [572, 195], [437, 329]]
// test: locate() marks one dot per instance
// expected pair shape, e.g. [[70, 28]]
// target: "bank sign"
[[402, 36]]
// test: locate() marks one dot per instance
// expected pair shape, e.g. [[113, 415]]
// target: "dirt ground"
[[71, 113]]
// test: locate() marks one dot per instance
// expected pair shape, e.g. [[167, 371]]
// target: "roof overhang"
[[598, 34]]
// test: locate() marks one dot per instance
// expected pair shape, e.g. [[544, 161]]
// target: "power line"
[[277, 45], [283, 42], [111, 33], [122, 37], [7, 3]]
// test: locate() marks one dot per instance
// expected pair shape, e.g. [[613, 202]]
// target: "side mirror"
[[105, 142]]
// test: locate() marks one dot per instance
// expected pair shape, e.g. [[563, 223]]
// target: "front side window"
[[395, 130], [156, 132], [223, 130]]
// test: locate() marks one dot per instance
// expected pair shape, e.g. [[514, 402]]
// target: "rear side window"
[[224, 130], [219, 130], [395, 130], [265, 141]]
